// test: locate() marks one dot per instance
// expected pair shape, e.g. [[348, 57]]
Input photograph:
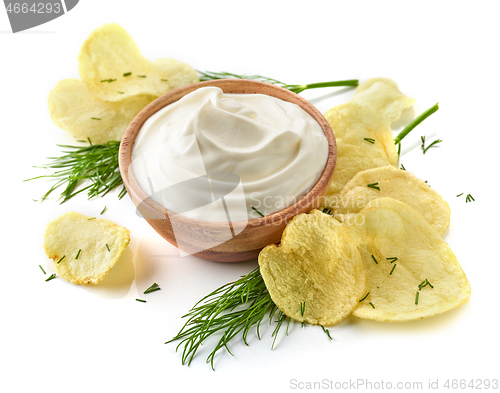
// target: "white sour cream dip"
[[276, 149]]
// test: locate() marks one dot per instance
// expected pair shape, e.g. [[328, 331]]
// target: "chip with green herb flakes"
[[77, 110], [316, 274], [84, 251], [394, 183], [352, 124], [110, 62], [386, 229]]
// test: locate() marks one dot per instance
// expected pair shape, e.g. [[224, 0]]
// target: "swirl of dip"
[[277, 150]]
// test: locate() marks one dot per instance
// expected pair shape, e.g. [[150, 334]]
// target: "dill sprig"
[[374, 259], [42, 269], [419, 119], [209, 75], [97, 164], [370, 140], [424, 149], [232, 309], [469, 198]]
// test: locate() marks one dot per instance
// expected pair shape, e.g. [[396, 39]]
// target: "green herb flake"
[[141, 76], [392, 270], [371, 304], [469, 198], [403, 167], [255, 209], [327, 211], [140, 300], [302, 308], [152, 288], [374, 185], [95, 118], [91, 218], [79, 251], [120, 92], [424, 283], [392, 259], [127, 74], [370, 140], [42, 269], [460, 194], [374, 259], [416, 297], [108, 247], [164, 80], [64, 256], [52, 276], [364, 297], [327, 332], [108, 80], [103, 210]]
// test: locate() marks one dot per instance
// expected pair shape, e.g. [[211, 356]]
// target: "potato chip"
[[113, 68], [75, 109], [364, 141], [84, 249], [316, 275], [411, 272], [395, 183], [176, 72], [382, 95]]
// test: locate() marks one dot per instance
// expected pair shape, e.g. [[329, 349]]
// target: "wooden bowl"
[[259, 232]]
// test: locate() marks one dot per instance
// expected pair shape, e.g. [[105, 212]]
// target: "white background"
[[60, 337]]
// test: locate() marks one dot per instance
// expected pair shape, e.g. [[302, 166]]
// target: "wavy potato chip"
[[317, 265], [110, 62], [394, 183], [411, 271], [364, 141], [384, 96], [91, 247], [176, 72], [75, 109]]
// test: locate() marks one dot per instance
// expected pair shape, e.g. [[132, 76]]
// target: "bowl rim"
[[136, 193]]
